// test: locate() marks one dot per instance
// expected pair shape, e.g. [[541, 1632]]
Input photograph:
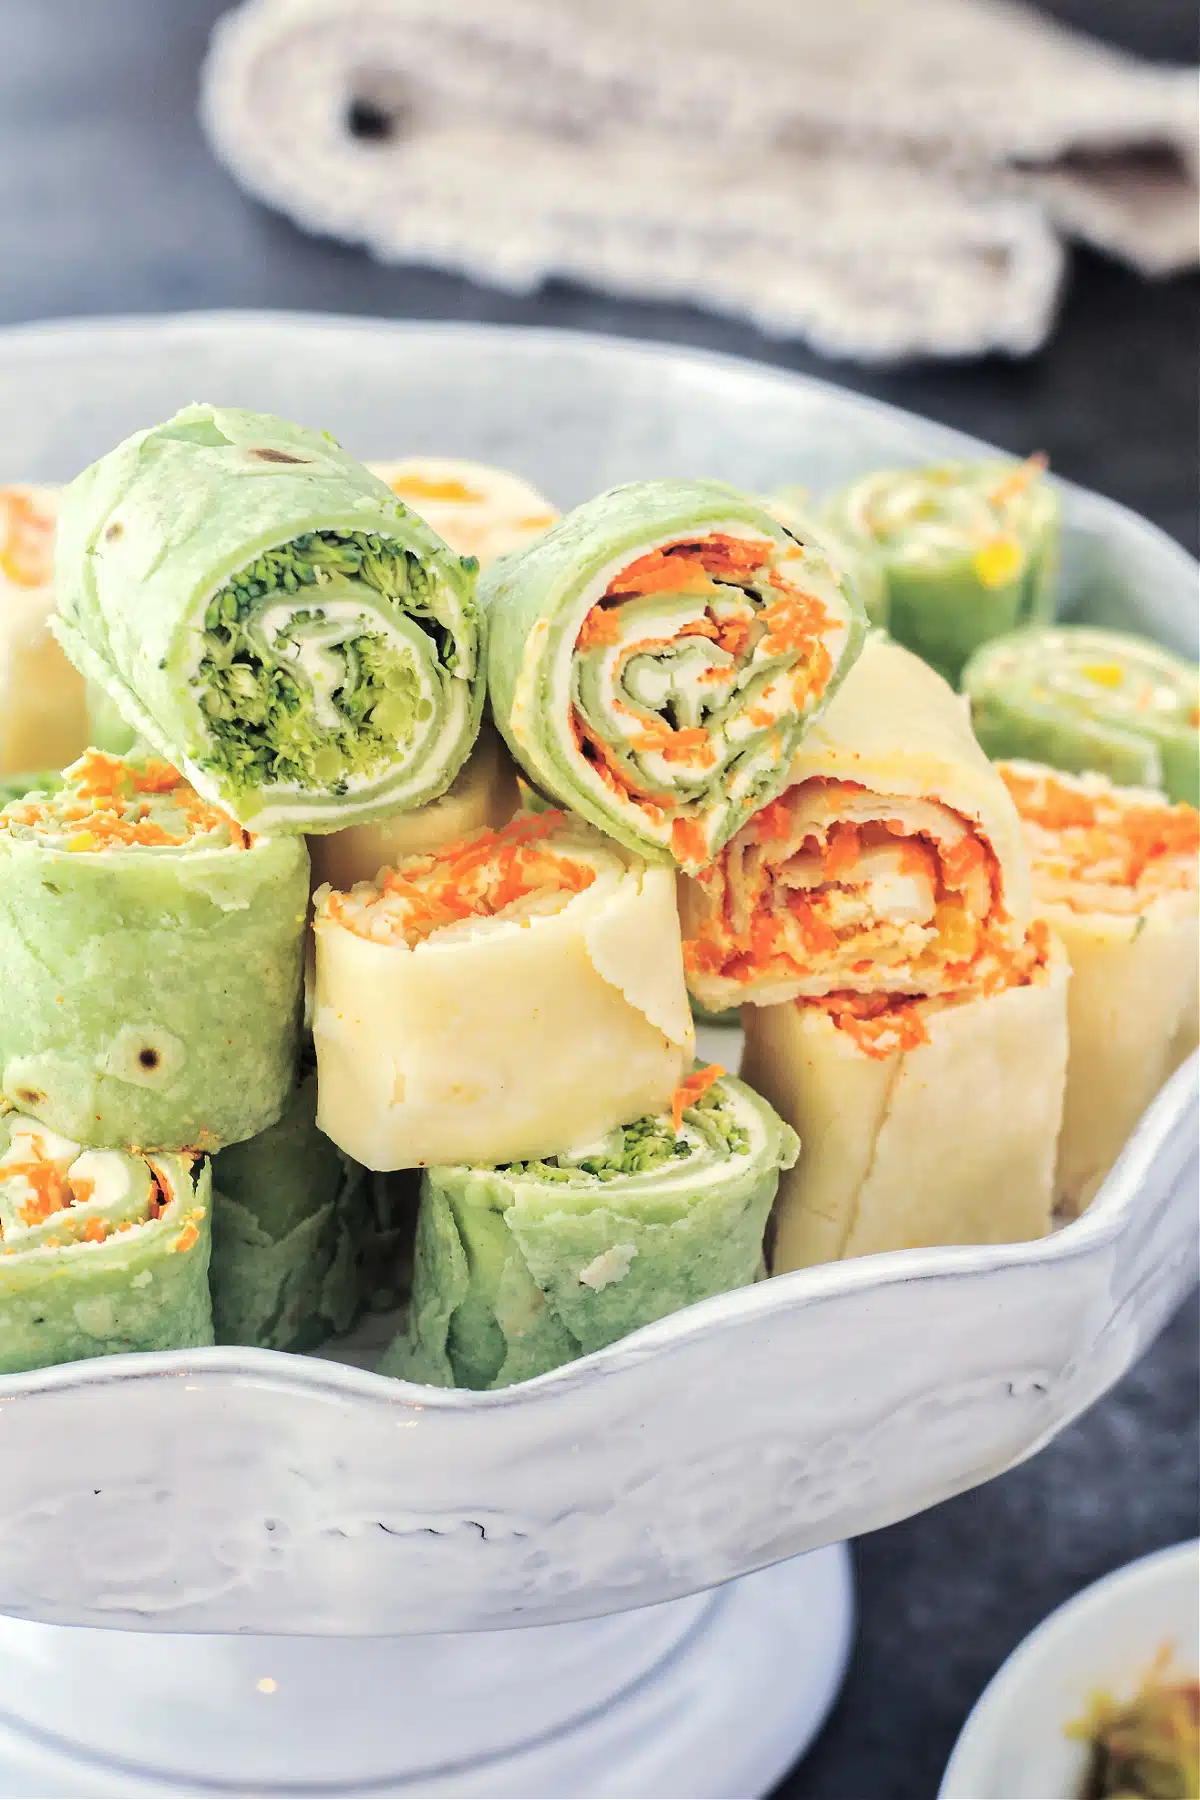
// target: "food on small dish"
[[860, 571], [891, 864], [272, 619], [969, 550], [923, 1121], [656, 656], [43, 718], [484, 793], [100, 1250], [150, 961], [1146, 1748], [515, 992], [478, 510], [524, 1267], [290, 1215], [1078, 699], [1115, 875]]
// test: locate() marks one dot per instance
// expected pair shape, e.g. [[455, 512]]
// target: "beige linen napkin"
[[887, 178]]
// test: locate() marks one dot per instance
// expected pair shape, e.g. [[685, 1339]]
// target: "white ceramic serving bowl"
[[241, 1490], [1014, 1745]]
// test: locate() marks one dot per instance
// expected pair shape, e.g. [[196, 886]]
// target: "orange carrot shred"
[[691, 1089]]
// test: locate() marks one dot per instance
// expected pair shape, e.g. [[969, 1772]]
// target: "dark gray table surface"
[[109, 203]]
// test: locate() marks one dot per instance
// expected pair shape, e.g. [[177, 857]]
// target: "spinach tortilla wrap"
[[100, 1251], [515, 991], [893, 862], [479, 511], [272, 619], [150, 961], [1079, 698], [43, 719], [656, 656], [290, 1214], [1115, 876], [521, 1268], [859, 570], [924, 1121], [969, 550]]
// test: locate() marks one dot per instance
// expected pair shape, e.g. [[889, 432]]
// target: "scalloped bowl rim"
[[1098, 1227]]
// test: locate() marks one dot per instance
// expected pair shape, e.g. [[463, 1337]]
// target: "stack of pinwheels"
[[417, 823]]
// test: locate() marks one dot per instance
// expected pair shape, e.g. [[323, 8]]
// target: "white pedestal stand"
[[713, 1696]]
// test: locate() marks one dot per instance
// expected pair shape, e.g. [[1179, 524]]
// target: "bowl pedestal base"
[[714, 1695]]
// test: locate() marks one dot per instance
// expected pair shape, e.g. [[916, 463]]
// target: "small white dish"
[[1015, 1746]]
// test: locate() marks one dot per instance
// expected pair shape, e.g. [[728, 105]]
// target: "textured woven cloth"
[[887, 178]]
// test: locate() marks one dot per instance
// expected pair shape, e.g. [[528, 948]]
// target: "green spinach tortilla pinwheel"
[[272, 618], [1079, 699], [968, 550], [526, 1266], [656, 656], [15, 787], [290, 1214], [100, 1251], [151, 955]]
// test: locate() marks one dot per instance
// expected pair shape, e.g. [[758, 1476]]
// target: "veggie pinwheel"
[[925, 1121], [270, 617], [969, 550], [1115, 875], [656, 657], [43, 719], [290, 1213], [15, 787], [513, 994], [100, 1251], [892, 864], [524, 1267], [484, 793], [1078, 698], [479, 511], [150, 961]]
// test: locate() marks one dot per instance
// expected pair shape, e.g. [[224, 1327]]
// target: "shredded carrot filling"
[[53, 1192], [1103, 839], [26, 541], [691, 1089], [479, 877], [789, 894], [790, 623], [114, 803]]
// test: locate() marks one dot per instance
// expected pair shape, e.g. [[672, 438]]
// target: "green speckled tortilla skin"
[[1031, 699], [150, 532], [497, 1289], [529, 598], [290, 1214], [196, 955], [133, 1292]]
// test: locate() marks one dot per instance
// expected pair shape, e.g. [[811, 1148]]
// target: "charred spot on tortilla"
[[113, 531], [265, 453]]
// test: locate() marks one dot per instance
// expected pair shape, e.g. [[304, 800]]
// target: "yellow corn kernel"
[[998, 562], [1109, 675], [83, 840]]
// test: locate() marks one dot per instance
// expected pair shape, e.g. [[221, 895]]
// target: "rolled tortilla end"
[[513, 992], [656, 657], [925, 1122], [150, 960], [1081, 699], [478, 510], [522, 1268], [968, 550], [1115, 875], [892, 862], [272, 619], [101, 1251]]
